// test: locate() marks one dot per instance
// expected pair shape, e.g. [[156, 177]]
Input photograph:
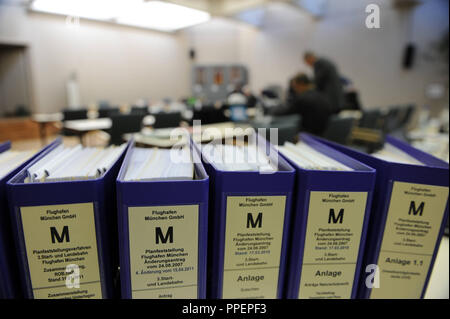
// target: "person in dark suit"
[[351, 95], [326, 79], [310, 104]]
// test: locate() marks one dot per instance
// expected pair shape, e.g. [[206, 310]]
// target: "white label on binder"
[[253, 238], [164, 251], [58, 236], [333, 235], [410, 234]]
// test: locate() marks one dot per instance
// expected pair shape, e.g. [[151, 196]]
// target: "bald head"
[[310, 58]]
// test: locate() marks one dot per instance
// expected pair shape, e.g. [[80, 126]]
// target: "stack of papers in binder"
[[9, 160], [237, 158], [307, 157], [73, 163], [151, 164], [391, 153]]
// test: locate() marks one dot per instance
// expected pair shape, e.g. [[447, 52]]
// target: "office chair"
[[108, 112], [79, 114], [210, 115], [339, 130], [288, 127], [370, 119], [122, 124], [139, 110], [165, 120], [391, 120], [70, 115], [273, 91], [291, 118], [406, 115]]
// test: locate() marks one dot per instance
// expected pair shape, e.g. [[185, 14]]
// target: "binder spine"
[[136, 199], [390, 178], [9, 277], [233, 188], [87, 200], [358, 185], [107, 219]]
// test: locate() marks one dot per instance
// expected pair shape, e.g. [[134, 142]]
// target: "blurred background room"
[[101, 72], [350, 71]]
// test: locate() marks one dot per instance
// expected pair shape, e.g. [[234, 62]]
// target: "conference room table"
[[82, 127]]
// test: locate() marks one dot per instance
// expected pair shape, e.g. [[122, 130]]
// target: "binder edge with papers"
[[9, 281], [360, 179], [244, 183], [435, 172], [136, 193], [99, 191]]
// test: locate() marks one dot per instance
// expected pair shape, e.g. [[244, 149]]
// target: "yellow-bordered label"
[[61, 249], [253, 239], [412, 227], [164, 251], [333, 236]]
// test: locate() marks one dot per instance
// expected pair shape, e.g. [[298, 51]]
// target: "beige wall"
[[119, 64], [216, 41], [372, 58]]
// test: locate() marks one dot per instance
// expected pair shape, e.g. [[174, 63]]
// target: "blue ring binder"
[[434, 173], [9, 277], [164, 193], [227, 184], [99, 192], [360, 179]]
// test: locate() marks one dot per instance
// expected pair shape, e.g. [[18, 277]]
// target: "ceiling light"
[[159, 15], [162, 16], [89, 9]]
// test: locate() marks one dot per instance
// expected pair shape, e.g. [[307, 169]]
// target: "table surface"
[[87, 125], [47, 117]]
